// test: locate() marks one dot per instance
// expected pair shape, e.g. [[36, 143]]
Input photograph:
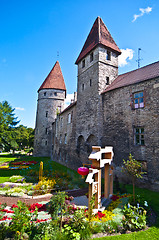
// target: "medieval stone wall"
[[64, 145], [120, 119]]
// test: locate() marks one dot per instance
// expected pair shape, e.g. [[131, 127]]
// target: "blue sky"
[[32, 32]]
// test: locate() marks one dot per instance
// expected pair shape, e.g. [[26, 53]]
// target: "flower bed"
[[69, 220]]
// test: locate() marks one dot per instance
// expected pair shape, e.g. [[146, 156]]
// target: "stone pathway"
[[79, 198]]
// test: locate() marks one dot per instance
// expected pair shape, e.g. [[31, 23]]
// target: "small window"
[[138, 100], [45, 143], [46, 113], [60, 138], [46, 131], [108, 56], [91, 57], [69, 118], [65, 138], [44, 93], [55, 93], [82, 86], [139, 136], [90, 82], [62, 122], [83, 63], [107, 80]]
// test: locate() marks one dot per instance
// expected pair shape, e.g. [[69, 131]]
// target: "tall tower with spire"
[[51, 96], [97, 68]]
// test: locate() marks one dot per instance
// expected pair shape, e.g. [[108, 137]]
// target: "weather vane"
[[139, 59], [57, 54]]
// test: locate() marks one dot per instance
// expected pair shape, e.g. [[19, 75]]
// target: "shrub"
[[134, 217], [45, 186], [17, 179]]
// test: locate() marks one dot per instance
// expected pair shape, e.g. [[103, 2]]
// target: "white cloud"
[[126, 54], [68, 99], [19, 108], [142, 12]]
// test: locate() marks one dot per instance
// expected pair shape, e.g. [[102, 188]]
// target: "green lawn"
[[51, 169]]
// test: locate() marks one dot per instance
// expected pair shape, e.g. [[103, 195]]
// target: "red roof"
[[55, 79], [99, 34], [145, 73]]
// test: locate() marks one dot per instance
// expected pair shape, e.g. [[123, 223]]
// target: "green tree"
[[8, 121], [134, 169]]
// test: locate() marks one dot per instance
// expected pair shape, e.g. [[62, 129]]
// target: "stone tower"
[[97, 68], [51, 96]]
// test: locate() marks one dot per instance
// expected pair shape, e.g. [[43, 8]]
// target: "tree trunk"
[[134, 190]]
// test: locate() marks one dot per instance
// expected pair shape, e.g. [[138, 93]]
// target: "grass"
[[64, 176], [50, 166]]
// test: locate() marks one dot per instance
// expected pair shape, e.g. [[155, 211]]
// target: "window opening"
[[91, 57], [139, 136], [139, 100], [107, 80], [83, 63], [108, 56], [65, 138]]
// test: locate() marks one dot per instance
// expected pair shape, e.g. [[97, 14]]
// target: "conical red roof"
[[55, 79], [99, 34]]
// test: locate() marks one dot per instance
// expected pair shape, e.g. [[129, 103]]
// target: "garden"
[[59, 218]]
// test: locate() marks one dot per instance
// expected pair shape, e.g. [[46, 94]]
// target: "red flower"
[[14, 206], [100, 215], [114, 197]]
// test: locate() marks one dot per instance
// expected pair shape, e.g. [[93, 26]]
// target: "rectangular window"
[[138, 100], [82, 86], [62, 122], [46, 113], [91, 57], [60, 138], [46, 131], [107, 80], [139, 136], [69, 118], [83, 63], [45, 143], [90, 82], [65, 138], [44, 93], [108, 55]]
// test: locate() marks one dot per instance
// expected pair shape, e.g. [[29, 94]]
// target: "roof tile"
[[145, 73], [99, 34], [55, 79]]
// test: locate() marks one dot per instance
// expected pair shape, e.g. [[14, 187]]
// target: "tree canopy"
[[13, 136]]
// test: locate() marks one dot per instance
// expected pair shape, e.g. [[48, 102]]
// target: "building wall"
[[50, 101], [64, 129], [92, 80], [120, 120]]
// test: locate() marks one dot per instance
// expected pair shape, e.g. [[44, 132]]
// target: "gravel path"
[[13, 200]]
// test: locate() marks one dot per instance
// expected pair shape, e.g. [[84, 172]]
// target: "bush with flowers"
[[134, 217], [44, 186]]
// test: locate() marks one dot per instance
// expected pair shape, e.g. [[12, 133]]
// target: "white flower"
[[145, 204]]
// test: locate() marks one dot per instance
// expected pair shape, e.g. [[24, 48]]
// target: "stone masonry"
[[110, 110]]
